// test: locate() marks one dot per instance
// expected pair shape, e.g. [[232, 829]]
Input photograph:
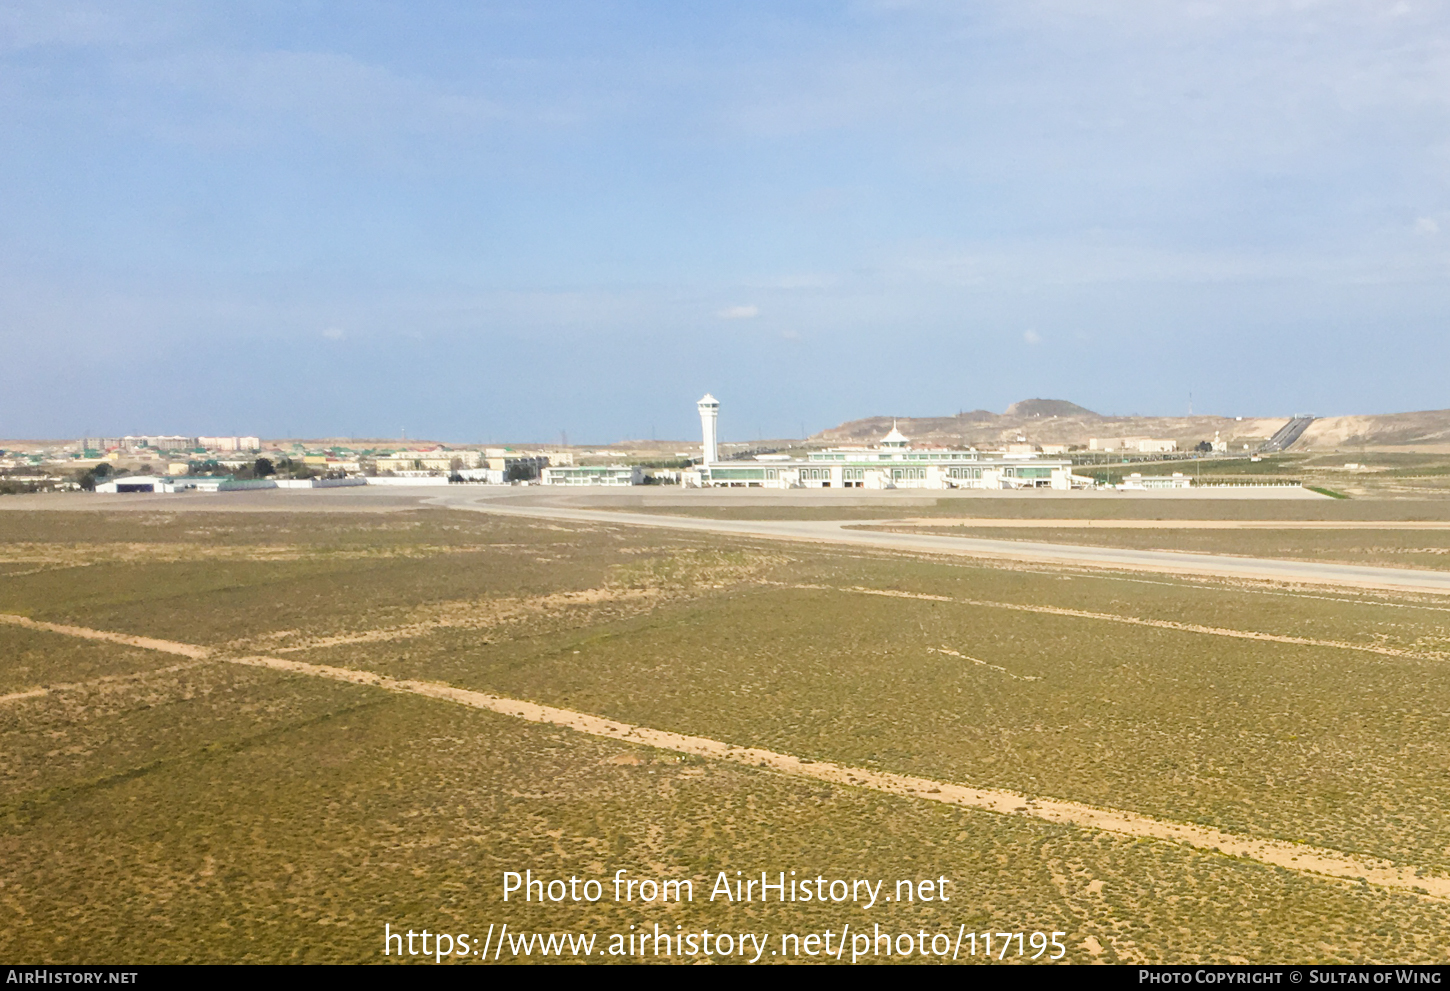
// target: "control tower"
[[709, 412]]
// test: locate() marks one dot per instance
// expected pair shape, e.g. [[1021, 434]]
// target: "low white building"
[[593, 475], [1140, 445], [1140, 482], [193, 483], [138, 483]]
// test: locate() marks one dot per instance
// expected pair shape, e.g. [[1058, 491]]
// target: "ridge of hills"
[[1057, 421]]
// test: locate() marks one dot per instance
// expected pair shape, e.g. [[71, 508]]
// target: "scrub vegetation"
[[155, 811]]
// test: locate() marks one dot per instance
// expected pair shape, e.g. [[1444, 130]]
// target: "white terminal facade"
[[891, 464]]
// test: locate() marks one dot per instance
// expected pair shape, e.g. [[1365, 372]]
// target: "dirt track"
[[1297, 857]]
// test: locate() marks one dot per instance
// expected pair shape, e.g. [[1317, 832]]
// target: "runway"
[[843, 532]]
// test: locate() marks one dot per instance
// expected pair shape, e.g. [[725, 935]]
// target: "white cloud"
[[739, 313], [1031, 336], [334, 333], [1426, 225]]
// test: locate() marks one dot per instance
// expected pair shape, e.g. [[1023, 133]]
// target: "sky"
[[498, 221]]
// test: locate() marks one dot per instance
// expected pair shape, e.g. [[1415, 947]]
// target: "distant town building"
[[160, 442], [163, 443], [130, 442], [434, 461], [230, 443], [515, 465], [332, 464]]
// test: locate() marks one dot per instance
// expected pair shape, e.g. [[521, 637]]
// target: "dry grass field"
[[156, 808], [1046, 506], [1388, 548]]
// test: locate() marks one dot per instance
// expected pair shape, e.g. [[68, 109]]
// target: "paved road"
[[839, 532]]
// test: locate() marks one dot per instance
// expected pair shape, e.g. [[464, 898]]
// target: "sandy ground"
[[361, 499], [1290, 856], [146, 643]]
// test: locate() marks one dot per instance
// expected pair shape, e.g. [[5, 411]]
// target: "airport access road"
[[844, 532]]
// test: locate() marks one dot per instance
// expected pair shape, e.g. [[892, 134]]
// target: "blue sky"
[[488, 221]]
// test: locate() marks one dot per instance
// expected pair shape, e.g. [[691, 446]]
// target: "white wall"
[[318, 483], [395, 480]]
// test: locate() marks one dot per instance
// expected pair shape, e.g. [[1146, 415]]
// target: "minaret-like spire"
[[895, 438]]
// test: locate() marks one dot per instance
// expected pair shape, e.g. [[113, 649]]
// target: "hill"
[[1427, 429], [1057, 421], [1037, 408]]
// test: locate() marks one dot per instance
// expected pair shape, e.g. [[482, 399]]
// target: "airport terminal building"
[[891, 464]]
